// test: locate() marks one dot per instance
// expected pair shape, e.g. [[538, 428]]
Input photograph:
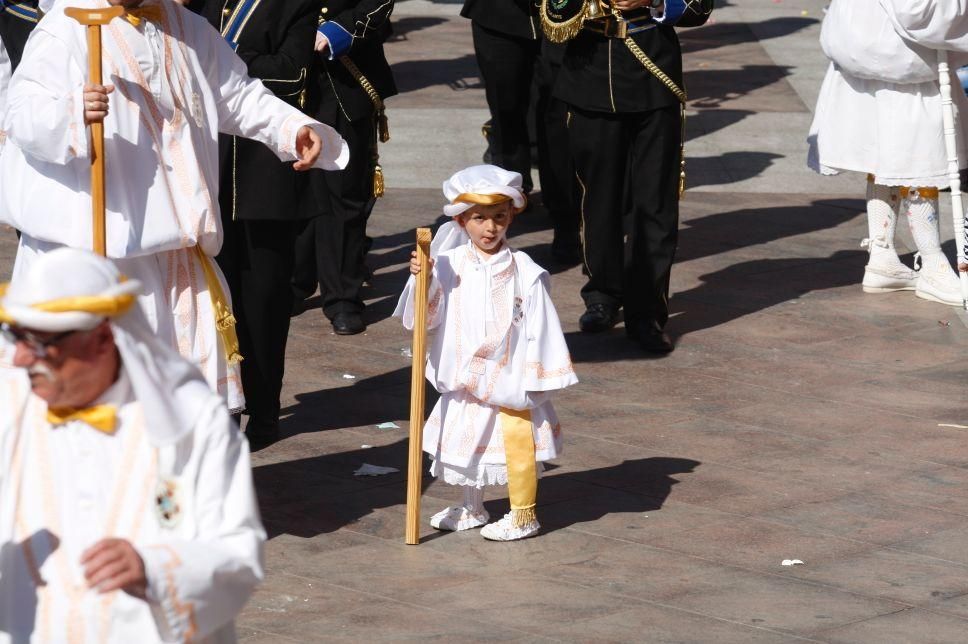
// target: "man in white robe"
[[127, 509], [879, 112], [496, 356], [173, 83]]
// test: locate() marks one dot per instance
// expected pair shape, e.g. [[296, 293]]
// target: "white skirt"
[[176, 301], [892, 131], [477, 476]]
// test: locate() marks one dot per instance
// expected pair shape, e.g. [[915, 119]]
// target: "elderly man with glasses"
[[127, 510]]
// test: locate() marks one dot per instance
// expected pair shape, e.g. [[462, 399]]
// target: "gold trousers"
[[522, 469]]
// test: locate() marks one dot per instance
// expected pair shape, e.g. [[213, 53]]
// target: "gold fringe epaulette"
[[559, 32]]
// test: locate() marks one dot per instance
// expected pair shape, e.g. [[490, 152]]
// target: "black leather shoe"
[[652, 339], [261, 434], [348, 324], [598, 318]]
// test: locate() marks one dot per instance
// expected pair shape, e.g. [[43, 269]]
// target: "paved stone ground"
[[798, 418]]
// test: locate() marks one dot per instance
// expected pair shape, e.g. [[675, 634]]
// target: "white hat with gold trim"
[[67, 290]]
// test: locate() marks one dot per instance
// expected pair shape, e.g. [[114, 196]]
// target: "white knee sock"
[[474, 498]]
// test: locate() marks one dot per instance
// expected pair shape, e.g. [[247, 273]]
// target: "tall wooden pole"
[[415, 464], [93, 19], [954, 176]]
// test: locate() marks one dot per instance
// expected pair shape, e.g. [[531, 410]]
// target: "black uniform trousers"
[[627, 166], [331, 248], [557, 173], [507, 66], [257, 260]]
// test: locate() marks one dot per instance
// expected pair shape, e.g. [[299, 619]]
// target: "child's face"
[[487, 226]]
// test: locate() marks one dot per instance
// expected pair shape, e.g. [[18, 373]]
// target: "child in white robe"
[[496, 354]]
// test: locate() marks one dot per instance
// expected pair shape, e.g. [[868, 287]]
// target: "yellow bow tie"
[[150, 12], [101, 417]]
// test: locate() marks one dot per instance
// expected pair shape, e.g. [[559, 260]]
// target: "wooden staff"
[[415, 465], [93, 19], [954, 176]]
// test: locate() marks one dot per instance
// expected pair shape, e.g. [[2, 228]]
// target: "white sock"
[[474, 499], [881, 214]]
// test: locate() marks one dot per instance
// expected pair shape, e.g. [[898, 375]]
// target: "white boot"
[[885, 272], [463, 517], [937, 281]]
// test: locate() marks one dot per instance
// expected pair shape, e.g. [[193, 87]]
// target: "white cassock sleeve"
[[199, 586], [548, 364], [936, 24], [247, 109], [44, 113], [435, 303]]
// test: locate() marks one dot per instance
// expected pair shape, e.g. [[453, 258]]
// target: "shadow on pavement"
[[318, 495], [723, 34]]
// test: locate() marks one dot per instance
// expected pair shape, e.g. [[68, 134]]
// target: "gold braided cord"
[[654, 69], [380, 121], [559, 32], [363, 81]]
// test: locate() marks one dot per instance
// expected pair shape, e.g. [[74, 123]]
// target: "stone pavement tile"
[[745, 492], [253, 636], [866, 517], [663, 624], [950, 603], [709, 439], [650, 574], [785, 604], [938, 487], [284, 600], [523, 602], [757, 544], [887, 573], [947, 544], [900, 627], [382, 620], [846, 422]]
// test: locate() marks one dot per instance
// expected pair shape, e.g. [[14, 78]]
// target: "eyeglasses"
[[39, 347]]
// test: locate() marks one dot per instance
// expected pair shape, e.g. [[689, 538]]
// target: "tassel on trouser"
[[522, 470]]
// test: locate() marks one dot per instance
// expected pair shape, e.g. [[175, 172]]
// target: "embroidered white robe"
[[879, 107], [64, 488], [496, 342], [177, 85]]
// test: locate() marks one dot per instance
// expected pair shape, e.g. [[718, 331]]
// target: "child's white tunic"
[[496, 342], [879, 109]]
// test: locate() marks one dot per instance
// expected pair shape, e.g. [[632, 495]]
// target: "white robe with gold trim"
[[177, 85], [496, 342], [64, 488]]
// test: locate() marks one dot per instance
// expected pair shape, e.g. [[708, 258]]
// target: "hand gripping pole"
[[93, 19]]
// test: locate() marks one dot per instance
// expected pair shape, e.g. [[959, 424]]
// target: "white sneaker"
[[505, 530], [457, 518], [938, 282], [885, 273]]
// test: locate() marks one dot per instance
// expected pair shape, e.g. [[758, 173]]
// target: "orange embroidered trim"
[[184, 610], [544, 374]]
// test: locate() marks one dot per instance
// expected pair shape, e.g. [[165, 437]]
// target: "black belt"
[[612, 27]]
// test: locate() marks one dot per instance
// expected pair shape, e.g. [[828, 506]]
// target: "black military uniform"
[[516, 64], [625, 134], [17, 20], [261, 198], [332, 246]]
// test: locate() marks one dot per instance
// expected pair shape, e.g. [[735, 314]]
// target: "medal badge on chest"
[[517, 313], [168, 503]]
